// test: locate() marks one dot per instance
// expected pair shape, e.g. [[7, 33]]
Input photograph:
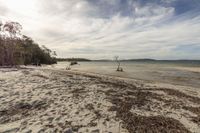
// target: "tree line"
[[15, 51]]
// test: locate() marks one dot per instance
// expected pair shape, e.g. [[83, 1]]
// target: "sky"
[[102, 29]]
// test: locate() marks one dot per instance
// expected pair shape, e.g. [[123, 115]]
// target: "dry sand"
[[47, 101]]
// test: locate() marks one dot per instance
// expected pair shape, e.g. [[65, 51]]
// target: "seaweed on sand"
[[151, 124], [138, 123], [21, 109], [195, 110]]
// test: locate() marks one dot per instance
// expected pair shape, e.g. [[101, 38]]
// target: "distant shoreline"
[[149, 60]]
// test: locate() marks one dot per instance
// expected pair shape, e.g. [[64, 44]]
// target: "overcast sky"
[[99, 29]]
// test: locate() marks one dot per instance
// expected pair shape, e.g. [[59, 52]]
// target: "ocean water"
[[180, 73]]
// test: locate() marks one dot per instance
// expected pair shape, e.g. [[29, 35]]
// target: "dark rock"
[[68, 131]]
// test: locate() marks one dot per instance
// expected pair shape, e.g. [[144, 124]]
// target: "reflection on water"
[[168, 72]]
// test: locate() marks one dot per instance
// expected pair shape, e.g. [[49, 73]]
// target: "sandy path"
[[38, 101]]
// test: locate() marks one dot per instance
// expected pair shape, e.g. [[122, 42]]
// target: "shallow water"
[[187, 74]]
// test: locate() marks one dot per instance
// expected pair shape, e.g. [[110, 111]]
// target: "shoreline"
[[47, 100], [172, 74]]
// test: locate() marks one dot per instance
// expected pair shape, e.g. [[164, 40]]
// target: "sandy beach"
[[39, 100], [99, 66]]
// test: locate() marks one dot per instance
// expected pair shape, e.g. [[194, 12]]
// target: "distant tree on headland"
[[72, 59]]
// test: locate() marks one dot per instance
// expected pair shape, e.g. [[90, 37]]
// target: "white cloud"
[[83, 28]]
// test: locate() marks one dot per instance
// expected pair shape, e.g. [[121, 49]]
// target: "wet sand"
[[177, 74], [41, 100]]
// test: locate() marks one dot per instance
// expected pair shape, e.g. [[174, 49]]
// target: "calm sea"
[[180, 72]]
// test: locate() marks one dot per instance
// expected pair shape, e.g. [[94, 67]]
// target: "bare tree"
[[119, 68], [54, 54]]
